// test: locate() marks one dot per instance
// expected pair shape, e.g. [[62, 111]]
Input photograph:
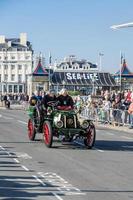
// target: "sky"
[[72, 27]]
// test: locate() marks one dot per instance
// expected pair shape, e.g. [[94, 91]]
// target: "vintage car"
[[61, 122]]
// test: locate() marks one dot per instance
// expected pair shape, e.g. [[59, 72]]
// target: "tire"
[[47, 134], [31, 130], [90, 138]]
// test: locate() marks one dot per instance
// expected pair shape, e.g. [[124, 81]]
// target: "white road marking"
[[39, 180], [25, 168], [57, 196], [109, 133], [61, 185], [125, 137], [9, 154], [17, 161], [22, 155], [2, 148], [99, 150], [8, 117], [22, 122]]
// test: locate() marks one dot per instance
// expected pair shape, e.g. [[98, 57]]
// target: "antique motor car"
[[63, 123]]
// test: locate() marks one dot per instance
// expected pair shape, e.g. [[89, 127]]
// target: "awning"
[[80, 78]]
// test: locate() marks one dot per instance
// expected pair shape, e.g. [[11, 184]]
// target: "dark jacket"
[[47, 98], [65, 100]]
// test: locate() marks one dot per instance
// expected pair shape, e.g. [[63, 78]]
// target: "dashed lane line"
[[110, 133], [99, 150], [22, 122], [125, 137], [8, 117]]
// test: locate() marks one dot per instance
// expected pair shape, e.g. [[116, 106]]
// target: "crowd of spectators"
[[109, 107], [15, 98]]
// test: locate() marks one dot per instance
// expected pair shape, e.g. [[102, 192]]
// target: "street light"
[[63, 82], [119, 26], [100, 61]]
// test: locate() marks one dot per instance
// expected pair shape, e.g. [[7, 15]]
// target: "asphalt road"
[[29, 170]]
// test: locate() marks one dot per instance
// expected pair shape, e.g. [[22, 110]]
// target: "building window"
[[15, 88], [19, 78], [13, 77], [19, 67], [5, 57], [0, 57], [26, 67], [5, 67], [12, 67], [27, 57], [10, 88], [13, 57], [5, 77], [20, 88], [0, 77]]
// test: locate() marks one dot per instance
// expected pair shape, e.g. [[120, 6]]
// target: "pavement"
[[117, 128]]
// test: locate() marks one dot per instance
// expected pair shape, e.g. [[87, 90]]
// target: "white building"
[[71, 63], [15, 64], [80, 75]]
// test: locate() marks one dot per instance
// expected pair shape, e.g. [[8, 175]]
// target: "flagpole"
[[121, 57], [49, 69]]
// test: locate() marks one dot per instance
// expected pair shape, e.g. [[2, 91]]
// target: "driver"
[[50, 96], [65, 100]]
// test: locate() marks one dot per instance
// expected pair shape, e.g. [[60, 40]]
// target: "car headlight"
[[85, 124], [59, 124]]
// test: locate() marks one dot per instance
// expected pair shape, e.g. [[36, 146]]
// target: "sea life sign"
[[81, 76]]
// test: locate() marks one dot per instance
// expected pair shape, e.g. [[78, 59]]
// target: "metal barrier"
[[111, 116]]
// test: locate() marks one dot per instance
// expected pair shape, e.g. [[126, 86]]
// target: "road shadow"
[[111, 145], [12, 188]]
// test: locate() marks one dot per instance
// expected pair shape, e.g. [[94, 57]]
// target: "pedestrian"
[[130, 111]]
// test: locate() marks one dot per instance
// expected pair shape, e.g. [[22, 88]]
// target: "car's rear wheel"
[[47, 134], [31, 130], [90, 137]]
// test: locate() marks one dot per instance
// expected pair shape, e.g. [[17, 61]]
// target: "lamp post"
[[100, 60], [5, 71], [119, 26], [63, 82]]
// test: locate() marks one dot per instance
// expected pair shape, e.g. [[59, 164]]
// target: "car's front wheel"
[[47, 134], [90, 137]]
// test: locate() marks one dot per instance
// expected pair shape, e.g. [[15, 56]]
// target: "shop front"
[[89, 82]]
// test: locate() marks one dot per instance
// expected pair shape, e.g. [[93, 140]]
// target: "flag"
[[50, 58]]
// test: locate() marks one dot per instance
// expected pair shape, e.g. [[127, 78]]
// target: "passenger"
[[65, 100]]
